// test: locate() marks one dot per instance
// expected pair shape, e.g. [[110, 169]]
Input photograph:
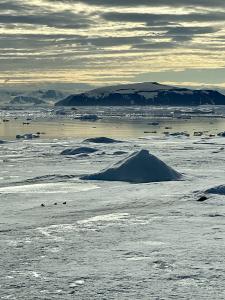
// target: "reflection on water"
[[111, 128]]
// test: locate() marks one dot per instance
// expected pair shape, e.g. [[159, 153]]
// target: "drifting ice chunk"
[[88, 118], [103, 140], [139, 167], [28, 136]]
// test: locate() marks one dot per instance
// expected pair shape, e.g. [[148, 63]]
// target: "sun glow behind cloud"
[[103, 42]]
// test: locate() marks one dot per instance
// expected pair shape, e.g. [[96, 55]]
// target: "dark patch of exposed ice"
[[202, 198], [119, 152], [83, 155], [153, 123], [139, 167], [215, 215]]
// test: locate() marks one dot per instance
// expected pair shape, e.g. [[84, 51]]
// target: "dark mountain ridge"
[[147, 93]]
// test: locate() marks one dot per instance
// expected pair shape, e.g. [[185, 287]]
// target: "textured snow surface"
[[139, 167], [111, 240]]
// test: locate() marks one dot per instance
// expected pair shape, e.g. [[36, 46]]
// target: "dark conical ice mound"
[[219, 190], [139, 167]]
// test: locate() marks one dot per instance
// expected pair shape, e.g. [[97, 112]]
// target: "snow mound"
[[139, 167], [80, 150], [102, 140], [219, 190]]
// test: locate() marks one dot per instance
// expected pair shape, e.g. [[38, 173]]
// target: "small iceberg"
[[88, 118], [139, 167], [28, 136], [102, 140]]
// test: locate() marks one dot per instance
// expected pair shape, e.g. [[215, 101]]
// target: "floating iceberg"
[[102, 140]]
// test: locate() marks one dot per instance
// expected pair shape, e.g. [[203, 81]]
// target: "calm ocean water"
[[64, 128]]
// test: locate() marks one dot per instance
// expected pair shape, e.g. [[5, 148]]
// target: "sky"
[[105, 42]]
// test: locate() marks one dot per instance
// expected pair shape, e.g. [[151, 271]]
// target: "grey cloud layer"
[[151, 3], [54, 37], [65, 19], [157, 19]]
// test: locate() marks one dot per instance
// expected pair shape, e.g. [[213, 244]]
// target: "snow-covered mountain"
[[222, 91], [7, 95], [23, 100], [53, 95], [30, 97], [146, 93]]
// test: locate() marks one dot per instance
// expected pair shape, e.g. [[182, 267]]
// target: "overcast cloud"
[[104, 41]]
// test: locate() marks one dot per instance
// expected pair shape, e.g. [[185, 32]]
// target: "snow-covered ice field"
[[111, 240]]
